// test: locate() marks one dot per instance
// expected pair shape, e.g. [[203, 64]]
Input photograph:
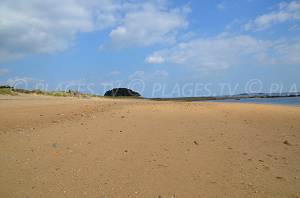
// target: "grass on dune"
[[7, 92]]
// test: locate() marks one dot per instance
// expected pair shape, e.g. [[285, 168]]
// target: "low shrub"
[[7, 92]]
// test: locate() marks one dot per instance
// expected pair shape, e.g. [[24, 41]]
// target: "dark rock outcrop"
[[75, 93], [119, 92]]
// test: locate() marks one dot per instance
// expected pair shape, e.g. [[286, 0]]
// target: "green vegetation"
[[38, 92], [5, 87], [115, 93], [7, 92], [19, 90], [58, 94]]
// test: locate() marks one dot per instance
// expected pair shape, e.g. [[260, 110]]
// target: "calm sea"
[[288, 101]]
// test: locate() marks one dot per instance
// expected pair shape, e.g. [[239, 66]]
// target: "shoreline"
[[195, 99], [75, 147], [269, 101]]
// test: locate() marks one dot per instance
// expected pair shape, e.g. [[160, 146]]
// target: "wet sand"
[[70, 147]]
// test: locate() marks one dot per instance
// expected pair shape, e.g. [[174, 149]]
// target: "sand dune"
[[69, 147]]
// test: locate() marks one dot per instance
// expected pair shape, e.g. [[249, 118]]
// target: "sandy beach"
[[72, 147]]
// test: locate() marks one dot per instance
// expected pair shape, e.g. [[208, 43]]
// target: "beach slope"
[[71, 147]]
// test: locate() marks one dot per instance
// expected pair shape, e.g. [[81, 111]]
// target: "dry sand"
[[69, 147]]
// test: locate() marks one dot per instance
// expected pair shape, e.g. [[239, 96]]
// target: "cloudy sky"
[[164, 45]]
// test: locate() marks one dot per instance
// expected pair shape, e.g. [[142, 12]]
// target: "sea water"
[[285, 101]]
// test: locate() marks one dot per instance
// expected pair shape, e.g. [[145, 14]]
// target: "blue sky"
[[161, 48]]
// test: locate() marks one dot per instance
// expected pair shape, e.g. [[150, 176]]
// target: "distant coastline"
[[6, 90], [235, 97]]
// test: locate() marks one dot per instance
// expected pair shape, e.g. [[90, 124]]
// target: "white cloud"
[[188, 35], [39, 27], [285, 12], [225, 50], [23, 82], [118, 81], [221, 6], [50, 26], [212, 53], [287, 52], [137, 75], [147, 24], [114, 73], [156, 75], [161, 74], [4, 72], [155, 59], [295, 27], [231, 24]]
